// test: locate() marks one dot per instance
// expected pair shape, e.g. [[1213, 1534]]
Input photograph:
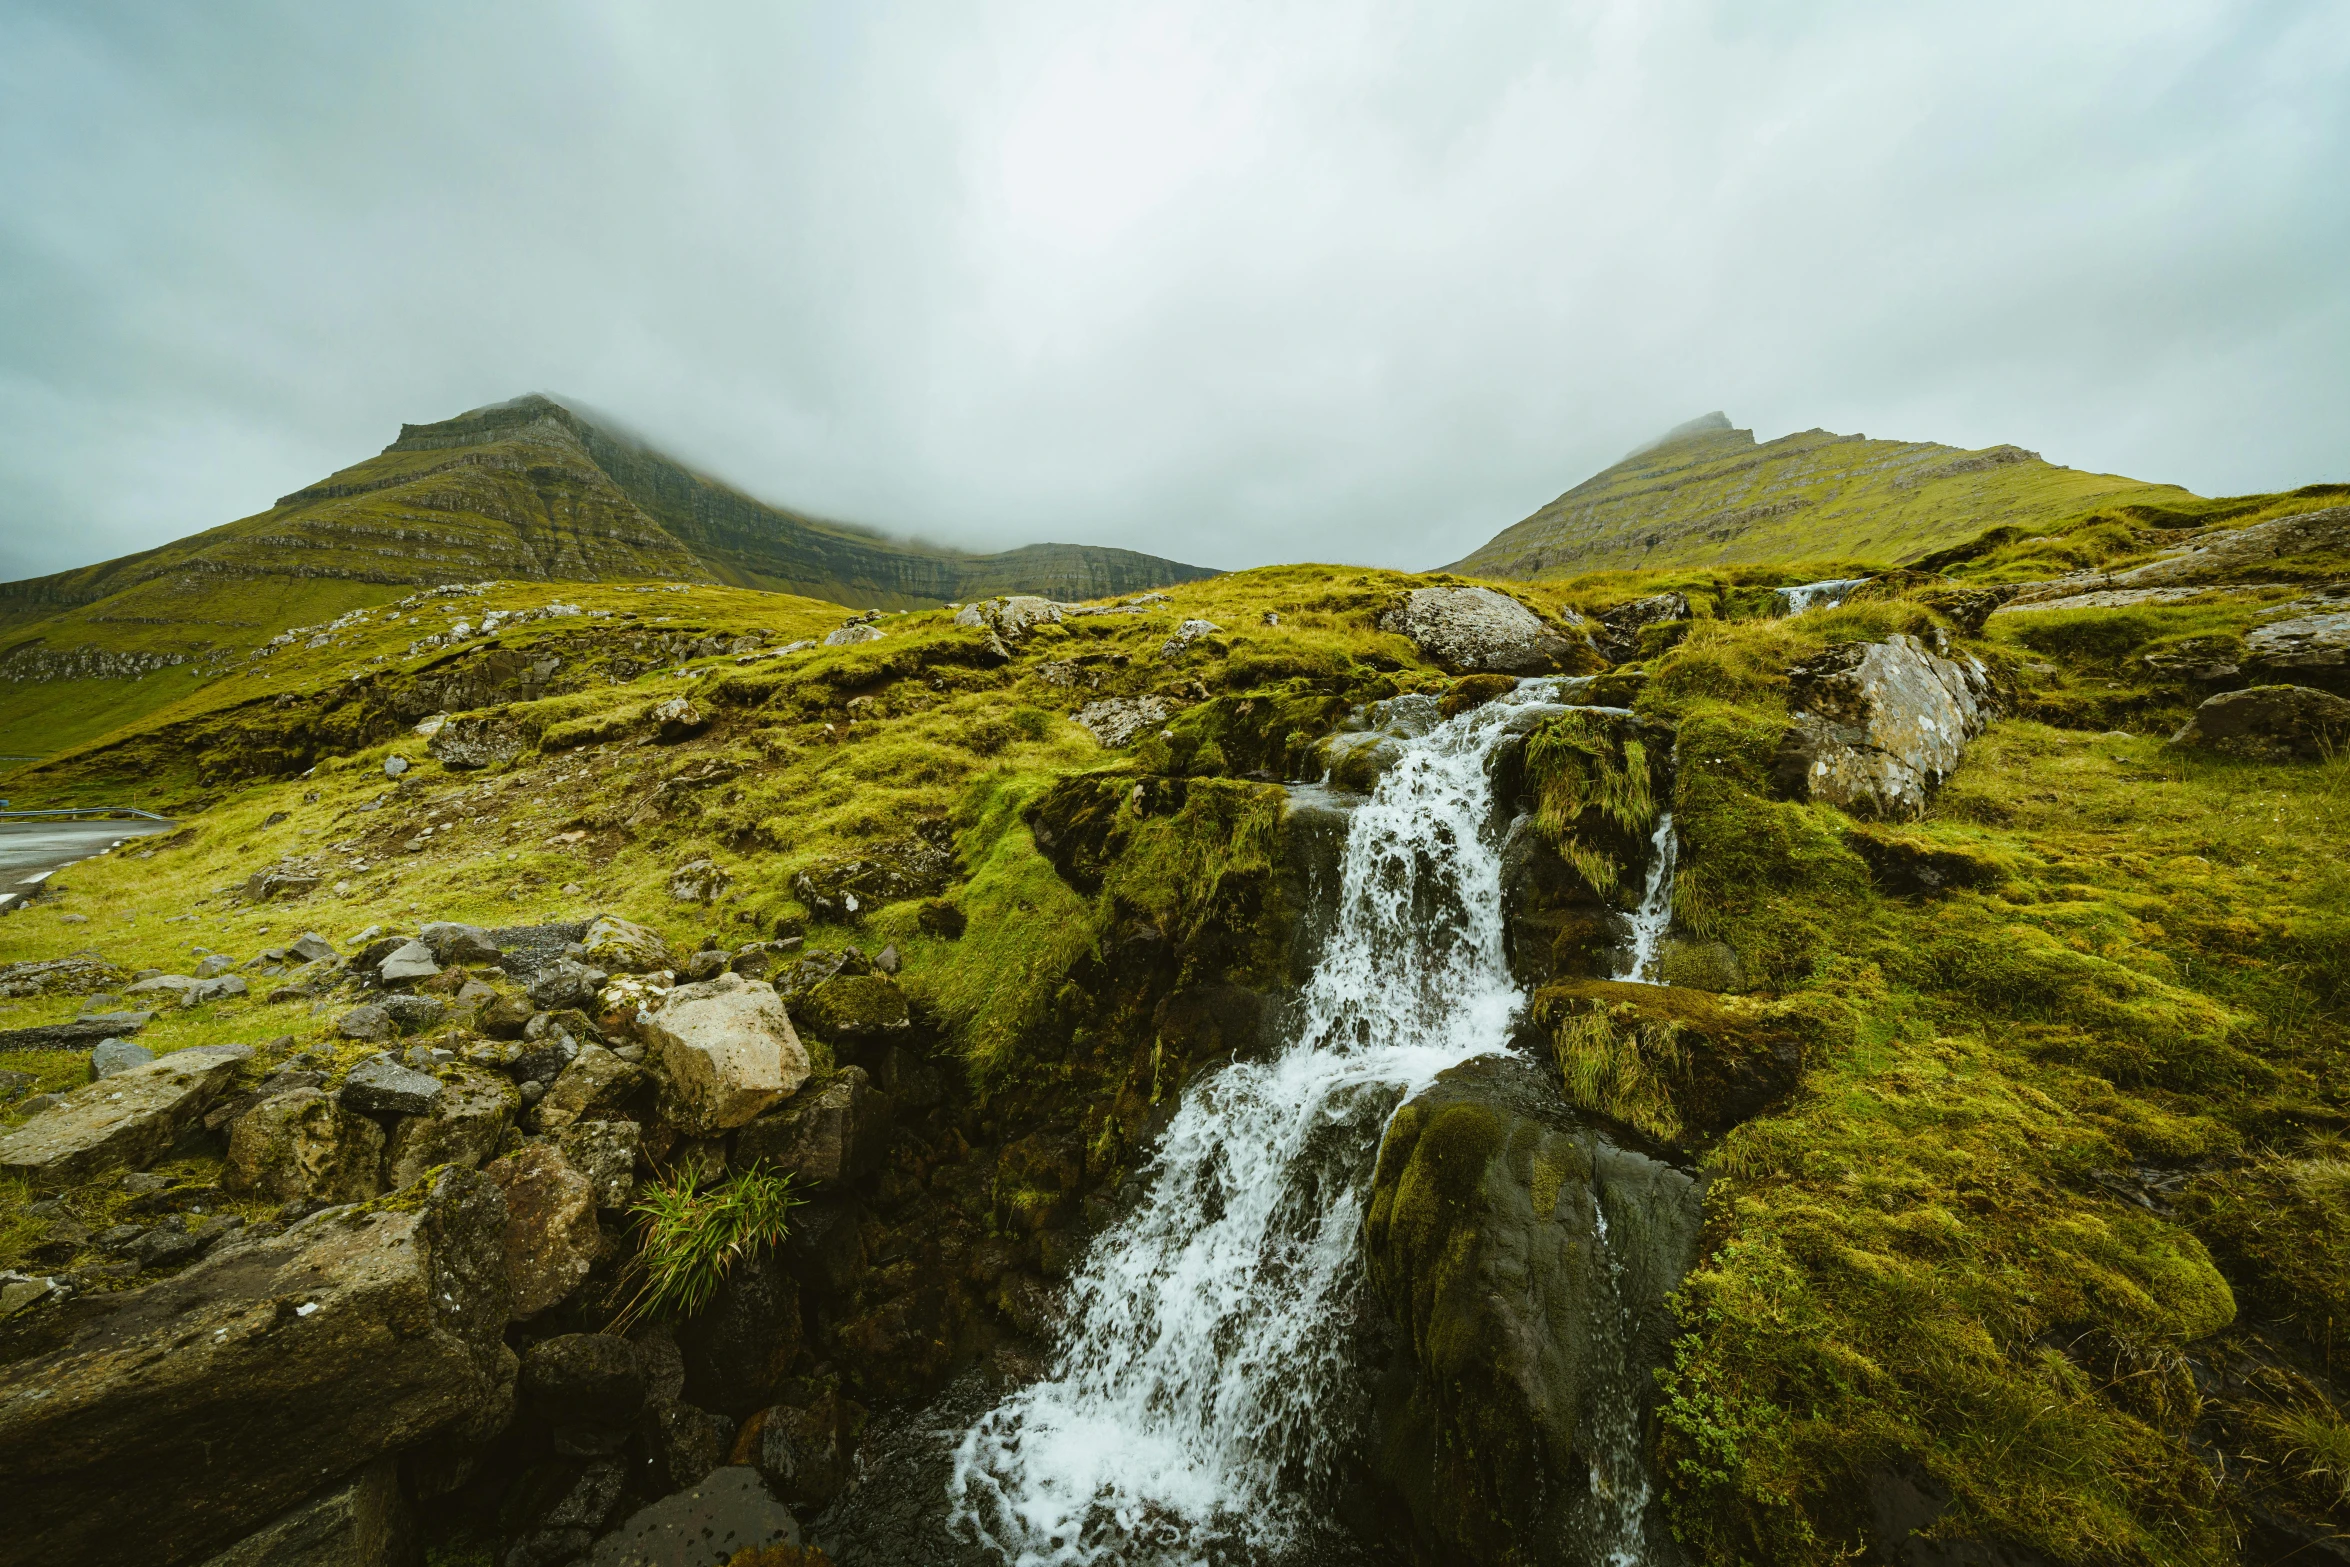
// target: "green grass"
[[691, 1232]]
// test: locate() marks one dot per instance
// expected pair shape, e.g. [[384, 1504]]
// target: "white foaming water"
[[1190, 1409], [1655, 913]]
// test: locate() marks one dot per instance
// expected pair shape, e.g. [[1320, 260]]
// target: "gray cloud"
[[1234, 282]]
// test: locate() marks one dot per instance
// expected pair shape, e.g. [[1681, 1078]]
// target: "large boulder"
[[729, 1048], [550, 1241], [2269, 724], [2304, 650], [123, 1122], [158, 1425], [464, 1126], [1878, 725], [304, 1144], [624, 947], [1467, 629], [832, 1131], [595, 1079], [365, 1522], [1526, 1261]]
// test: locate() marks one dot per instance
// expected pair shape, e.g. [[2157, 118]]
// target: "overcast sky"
[[1231, 282]]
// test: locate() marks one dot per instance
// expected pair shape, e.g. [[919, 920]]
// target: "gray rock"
[[850, 636], [621, 946], [394, 766], [453, 944], [303, 1144], [476, 740], [365, 1522], [126, 1121], [676, 719], [415, 1014], [83, 1031], [172, 986], [117, 1055], [409, 961], [311, 947], [567, 982], [1523, 1318], [729, 1048], [80, 974], [1479, 629], [372, 1022], [1877, 725], [381, 1086], [468, 1121], [1186, 634], [352, 1336], [699, 881], [728, 1511], [214, 989], [2269, 724], [806, 1451], [596, 1079], [2306, 650], [1620, 628], [288, 879], [217, 963], [551, 1241], [605, 1152], [1119, 721]]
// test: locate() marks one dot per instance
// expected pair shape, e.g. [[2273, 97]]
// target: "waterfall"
[[1655, 914], [1194, 1405]]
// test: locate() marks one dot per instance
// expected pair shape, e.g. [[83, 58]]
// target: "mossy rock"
[[854, 1007], [1681, 1064]]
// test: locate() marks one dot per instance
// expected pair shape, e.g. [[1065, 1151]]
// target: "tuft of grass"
[[691, 1232]]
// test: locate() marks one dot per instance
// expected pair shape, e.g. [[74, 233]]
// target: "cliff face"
[[1706, 493]]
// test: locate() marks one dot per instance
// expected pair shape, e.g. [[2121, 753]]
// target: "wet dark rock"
[[833, 1129], [585, 1378], [806, 1451], [684, 1441], [366, 1522], [550, 1240], [310, 1353], [742, 1345], [1484, 1244]]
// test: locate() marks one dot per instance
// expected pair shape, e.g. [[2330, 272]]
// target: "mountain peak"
[[1704, 424]]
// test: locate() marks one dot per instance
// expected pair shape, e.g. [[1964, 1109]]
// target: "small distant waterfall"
[[1655, 914], [1815, 595], [1190, 1412]]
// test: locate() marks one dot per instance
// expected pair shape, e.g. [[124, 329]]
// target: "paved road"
[[30, 849]]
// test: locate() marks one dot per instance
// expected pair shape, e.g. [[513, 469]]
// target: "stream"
[[1205, 1394]]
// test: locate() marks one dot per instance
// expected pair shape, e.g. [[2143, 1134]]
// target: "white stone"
[[730, 1050]]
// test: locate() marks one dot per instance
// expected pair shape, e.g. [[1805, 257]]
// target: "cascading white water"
[[1190, 1407], [1655, 914]]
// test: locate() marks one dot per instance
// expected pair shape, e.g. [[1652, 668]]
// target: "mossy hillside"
[[1716, 495], [1917, 1257]]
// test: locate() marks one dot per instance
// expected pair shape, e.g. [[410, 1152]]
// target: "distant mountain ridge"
[[531, 489], [1706, 493]]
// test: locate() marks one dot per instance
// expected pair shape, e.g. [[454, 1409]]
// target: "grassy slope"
[[1718, 498], [1913, 1260]]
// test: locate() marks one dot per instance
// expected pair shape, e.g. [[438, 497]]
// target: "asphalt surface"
[[29, 850]]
